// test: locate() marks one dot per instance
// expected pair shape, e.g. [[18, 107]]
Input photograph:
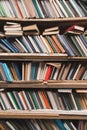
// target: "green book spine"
[[76, 44], [34, 99], [49, 40]]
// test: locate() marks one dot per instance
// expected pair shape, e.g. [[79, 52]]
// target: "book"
[[51, 30], [48, 72], [31, 29], [38, 8], [75, 29]]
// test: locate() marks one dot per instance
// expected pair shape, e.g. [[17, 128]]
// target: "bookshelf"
[[42, 23]]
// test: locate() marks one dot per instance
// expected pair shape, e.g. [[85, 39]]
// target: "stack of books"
[[13, 29]]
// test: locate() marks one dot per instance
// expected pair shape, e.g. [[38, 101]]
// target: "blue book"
[[38, 8], [30, 43], [34, 69], [8, 45], [84, 40], [65, 44], [18, 70], [60, 124], [38, 43], [24, 44], [7, 72], [20, 104]]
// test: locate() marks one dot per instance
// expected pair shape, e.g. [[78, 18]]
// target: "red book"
[[16, 1], [45, 100], [74, 29], [48, 73]]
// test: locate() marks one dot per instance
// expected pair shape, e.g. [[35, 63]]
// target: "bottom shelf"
[[44, 114], [35, 124]]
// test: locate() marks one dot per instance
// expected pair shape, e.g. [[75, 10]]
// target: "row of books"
[[42, 9], [66, 44], [42, 124], [32, 99], [44, 71]]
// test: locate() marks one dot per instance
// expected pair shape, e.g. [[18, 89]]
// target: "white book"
[[22, 9], [81, 45], [53, 103], [15, 9], [39, 71], [46, 44], [6, 101], [10, 125], [62, 8], [23, 66], [40, 95], [2, 104], [84, 77], [44, 71], [58, 8], [66, 126], [74, 128], [56, 14], [20, 93], [49, 9], [8, 9], [37, 127], [41, 76], [25, 9], [27, 101], [12, 101], [68, 8], [42, 44], [76, 108], [74, 76], [56, 74], [29, 70]]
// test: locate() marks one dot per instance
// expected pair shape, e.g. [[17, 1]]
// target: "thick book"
[[31, 29]]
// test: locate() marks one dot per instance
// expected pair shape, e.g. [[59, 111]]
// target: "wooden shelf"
[[42, 84], [45, 19], [61, 22], [39, 57], [41, 114]]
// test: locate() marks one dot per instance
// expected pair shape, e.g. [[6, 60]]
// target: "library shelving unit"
[[38, 114]]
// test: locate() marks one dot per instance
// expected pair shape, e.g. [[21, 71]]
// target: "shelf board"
[[41, 114], [44, 84], [61, 22], [39, 57], [67, 84], [45, 19]]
